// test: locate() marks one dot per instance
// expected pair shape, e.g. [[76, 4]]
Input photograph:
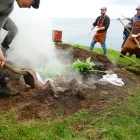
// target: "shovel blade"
[[29, 80]]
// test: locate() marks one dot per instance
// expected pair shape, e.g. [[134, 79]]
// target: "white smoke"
[[33, 47]]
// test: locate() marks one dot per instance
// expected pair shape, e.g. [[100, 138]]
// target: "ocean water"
[[76, 31]]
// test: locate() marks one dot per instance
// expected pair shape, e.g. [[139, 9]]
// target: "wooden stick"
[[129, 59], [130, 33]]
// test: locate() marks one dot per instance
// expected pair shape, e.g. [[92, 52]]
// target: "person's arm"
[[94, 24], [92, 28], [2, 59], [138, 34], [128, 18], [134, 36], [101, 28], [96, 21]]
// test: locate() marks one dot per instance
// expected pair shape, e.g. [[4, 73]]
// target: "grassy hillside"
[[114, 57], [121, 121]]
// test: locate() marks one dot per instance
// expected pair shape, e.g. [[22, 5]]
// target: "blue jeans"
[[103, 45]]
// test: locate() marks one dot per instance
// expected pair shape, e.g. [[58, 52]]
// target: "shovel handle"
[[129, 59], [129, 32], [19, 71]]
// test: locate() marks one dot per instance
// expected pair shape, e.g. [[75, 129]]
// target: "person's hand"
[[134, 36], [89, 32], [2, 59], [123, 16], [96, 30]]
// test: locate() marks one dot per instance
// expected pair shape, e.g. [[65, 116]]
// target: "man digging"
[[6, 23]]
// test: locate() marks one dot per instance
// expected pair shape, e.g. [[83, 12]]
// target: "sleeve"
[[125, 32], [134, 18], [96, 21], [106, 22], [0, 37]]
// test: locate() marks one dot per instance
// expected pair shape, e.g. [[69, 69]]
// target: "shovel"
[[28, 78], [129, 59]]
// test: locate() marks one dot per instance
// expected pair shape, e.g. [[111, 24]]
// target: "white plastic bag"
[[111, 78]]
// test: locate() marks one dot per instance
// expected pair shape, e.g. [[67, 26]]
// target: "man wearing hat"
[[130, 44], [6, 7], [102, 22]]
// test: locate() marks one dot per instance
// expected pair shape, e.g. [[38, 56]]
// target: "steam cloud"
[[33, 47]]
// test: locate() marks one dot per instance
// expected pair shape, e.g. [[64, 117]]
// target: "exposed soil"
[[31, 105], [81, 54]]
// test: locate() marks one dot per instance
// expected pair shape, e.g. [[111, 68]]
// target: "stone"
[[61, 89], [82, 85], [73, 84], [50, 88], [60, 82], [81, 93]]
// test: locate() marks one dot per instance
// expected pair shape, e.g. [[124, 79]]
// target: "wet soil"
[[30, 105]]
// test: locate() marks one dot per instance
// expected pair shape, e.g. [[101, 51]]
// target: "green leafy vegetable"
[[80, 66]]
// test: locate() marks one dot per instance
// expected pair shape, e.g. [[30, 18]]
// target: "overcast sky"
[[84, 8]]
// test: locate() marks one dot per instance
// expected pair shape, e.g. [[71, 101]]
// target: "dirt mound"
[[82, 54], [30, 105]]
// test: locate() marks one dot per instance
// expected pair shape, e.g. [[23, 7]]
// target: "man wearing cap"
[[102, 22], [130, 44], [6, 7]]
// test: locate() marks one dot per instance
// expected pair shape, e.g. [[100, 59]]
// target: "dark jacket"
[[6, 7], [126, 33], [106, 22]]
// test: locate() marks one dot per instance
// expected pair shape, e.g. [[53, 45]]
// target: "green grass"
[[114, 57], [121, 121]]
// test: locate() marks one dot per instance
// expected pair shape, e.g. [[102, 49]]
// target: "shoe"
[[7, 91], [121, 56], [130, 54], [138, 56]]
